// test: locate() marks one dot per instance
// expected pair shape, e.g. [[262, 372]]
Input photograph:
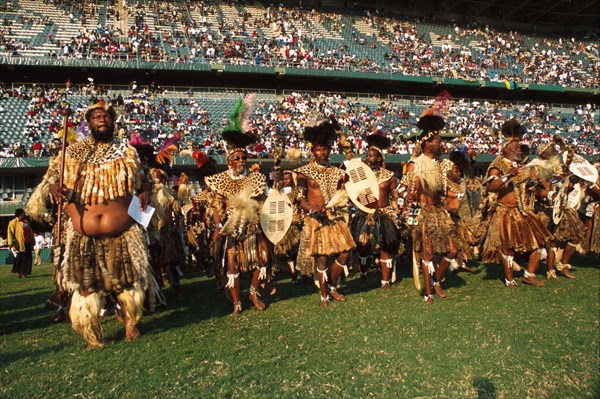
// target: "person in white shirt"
[[37, 248]]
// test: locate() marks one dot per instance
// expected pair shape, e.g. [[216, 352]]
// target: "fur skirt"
[[289, 243], [571, 228], [509, 229], [322, 236], [106, 264], [434, 231], [378, 231], [286, 249], [171, 250], [595, 238], [465, 238], [251, 252]]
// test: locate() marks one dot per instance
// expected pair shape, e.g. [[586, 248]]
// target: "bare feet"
[[532, 280], [438, 290], [255, 299], [237, 308], [565, 272], [131, 333], [337, 296], [95, 345]]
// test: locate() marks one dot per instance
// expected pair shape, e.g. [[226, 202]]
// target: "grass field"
[[483, 341]]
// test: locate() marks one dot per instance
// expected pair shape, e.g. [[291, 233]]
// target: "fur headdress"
[[320, 132], [431, 125], [379, 141], [459, 159], [102, 104], [512, 130], [235, 134]]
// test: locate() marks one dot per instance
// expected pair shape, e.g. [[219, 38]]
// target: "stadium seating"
[[222, 32], [30, 114]]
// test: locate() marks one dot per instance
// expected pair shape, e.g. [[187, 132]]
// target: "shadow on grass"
[[8, 294], [27, 312], [590, 260], [12, 357], [493, 271], [485, 389]]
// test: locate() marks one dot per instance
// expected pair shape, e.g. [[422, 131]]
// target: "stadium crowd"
[[156, 115], [295, 37]]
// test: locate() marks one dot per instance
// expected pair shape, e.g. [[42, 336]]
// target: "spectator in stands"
[[37, 149]]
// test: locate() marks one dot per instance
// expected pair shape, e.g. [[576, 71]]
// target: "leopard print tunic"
[[97, 172], [224, 184], [328, 178], [383, 175]]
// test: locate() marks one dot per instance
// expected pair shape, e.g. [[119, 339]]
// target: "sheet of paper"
[[142, 217]]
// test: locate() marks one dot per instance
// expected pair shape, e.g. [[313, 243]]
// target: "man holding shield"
[[379, 231], [325, 235]]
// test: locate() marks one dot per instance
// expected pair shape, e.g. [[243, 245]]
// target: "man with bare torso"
[[512, 226], [105, 249], [325, 233], [378, 232], [423, 185]]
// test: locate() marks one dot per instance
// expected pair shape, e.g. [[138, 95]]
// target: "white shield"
[[581, 168], [362, 185], [276, 216]]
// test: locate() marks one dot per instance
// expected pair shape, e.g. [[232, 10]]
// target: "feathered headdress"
[[169, 147], [162, 158], [235, 131], [183, 190], [201, 158], [512, 131]]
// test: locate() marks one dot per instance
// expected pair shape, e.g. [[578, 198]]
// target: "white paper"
[[142, 217]]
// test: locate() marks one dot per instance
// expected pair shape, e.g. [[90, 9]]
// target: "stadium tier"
[[253, 38], [204, 33], [30, 119]]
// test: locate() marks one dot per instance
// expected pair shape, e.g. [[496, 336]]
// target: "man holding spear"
[[105, 250]]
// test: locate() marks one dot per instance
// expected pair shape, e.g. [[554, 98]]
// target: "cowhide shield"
[[276, 216], [581, 168], [362, 186]]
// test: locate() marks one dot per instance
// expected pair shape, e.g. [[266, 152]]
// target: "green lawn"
[[483, 341]]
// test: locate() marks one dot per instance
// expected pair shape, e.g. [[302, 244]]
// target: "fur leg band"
[[231, 280]]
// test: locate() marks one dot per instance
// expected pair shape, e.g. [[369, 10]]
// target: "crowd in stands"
[[200, 32], [279, 121]]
